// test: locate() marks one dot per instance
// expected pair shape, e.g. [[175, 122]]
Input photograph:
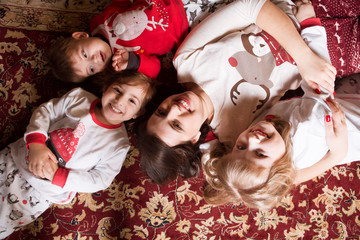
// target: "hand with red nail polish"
[[336, 130]]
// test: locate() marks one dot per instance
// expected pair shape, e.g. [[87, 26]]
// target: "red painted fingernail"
[[269, 117], [317, 91], [334, 93], [328, 118]]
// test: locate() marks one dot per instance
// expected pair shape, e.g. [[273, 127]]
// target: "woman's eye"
[[161, 112], [84, 54], [259, 154], [177, 125], [92, 69], [132, 101]]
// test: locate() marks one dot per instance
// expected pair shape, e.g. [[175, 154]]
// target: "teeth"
[[115, 109], [184, 103], [261, 133]]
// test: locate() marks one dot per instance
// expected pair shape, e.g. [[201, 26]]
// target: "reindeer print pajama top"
[[242, 68]]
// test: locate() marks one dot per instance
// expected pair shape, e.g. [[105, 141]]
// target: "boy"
[[76, 143], [130, 36]]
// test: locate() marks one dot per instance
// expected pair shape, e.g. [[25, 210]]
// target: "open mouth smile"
[[260, 132], [184, 103]]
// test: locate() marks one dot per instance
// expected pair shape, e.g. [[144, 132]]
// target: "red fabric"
[[145, 28], [60, 177], [310, 22], [341, 21], [35, 138]]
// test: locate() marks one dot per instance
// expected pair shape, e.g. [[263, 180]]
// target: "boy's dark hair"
[[163, 163], [59, 61]]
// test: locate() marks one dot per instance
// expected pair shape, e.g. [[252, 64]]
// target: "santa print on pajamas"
[[90, 154]]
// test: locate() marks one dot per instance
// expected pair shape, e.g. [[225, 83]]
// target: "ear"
[[196, 138], [79, 35]]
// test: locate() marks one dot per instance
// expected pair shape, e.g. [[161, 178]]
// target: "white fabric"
[[307, 116], [207, 55], [99, 154]]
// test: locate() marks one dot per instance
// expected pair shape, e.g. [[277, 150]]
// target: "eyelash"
[[259, 154]]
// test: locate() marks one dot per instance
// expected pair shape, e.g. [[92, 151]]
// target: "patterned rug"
[[132, 207]]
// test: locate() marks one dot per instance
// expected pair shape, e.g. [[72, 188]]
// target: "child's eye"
[[92, 70], [117, 90], [239, 147], [84, 54], [132, 101]]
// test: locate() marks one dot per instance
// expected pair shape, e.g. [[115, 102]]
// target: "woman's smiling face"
[[178, 119], [260, 143]]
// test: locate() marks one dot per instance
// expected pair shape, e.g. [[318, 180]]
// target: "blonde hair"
[[233, 180]]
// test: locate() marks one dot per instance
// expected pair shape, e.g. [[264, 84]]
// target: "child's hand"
[[49, 173], [41, 158], [336, 131], [303, 10], [120, 60]]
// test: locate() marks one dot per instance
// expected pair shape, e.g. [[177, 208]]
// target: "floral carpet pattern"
[[327, 207]]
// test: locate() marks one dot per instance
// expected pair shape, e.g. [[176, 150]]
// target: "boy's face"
[[121, 102], [89, 55]]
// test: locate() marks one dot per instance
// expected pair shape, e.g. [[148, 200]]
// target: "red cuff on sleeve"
[[310, 22], [35, 138], [60, 177]]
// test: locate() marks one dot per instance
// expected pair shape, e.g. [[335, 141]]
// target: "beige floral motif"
[[183, 226], [104, 225], [336, 171], [26, 93], [126, 233], [141, 231], [286, 202], [131, 156], [4, 90], [298, 232], [204, 209], [119, 192], [355, 203], [319, 219], [268, 219], [162, 236], [89, 202], [158, 212], [341, 231], [184, 191], [10, 47], [54, 227], [19, 74], [331, 199], [15, 34], [71, 236], [236, 224], [36, 226], [36, 62], [203, 229], [1, 67]]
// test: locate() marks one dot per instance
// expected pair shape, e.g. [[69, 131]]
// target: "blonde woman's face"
[[261, 144]]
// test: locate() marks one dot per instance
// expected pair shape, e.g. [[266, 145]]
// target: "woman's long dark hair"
[[161, 162]]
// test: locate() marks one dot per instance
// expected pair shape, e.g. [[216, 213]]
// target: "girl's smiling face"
[[261, 144], [121, 102]]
